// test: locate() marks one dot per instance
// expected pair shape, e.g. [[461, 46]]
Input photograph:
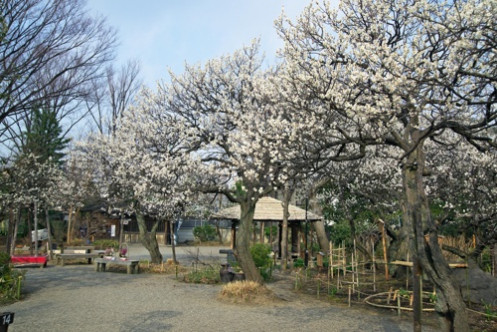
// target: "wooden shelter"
[[269, 210]]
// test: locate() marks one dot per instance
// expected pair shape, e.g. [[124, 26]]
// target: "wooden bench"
[[89, 256], [131, 265]]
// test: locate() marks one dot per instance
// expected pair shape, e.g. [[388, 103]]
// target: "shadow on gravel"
[[150, 321], [71, 277]]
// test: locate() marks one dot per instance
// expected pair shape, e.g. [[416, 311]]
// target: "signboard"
[[6, 318], [42, 234]]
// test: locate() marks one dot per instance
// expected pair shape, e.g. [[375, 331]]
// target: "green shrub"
[[205, 233], [10, 280], [106, 243], [340, 232], [299, 262], [273, 230], [260, 254], [485, 260], [203, 276]]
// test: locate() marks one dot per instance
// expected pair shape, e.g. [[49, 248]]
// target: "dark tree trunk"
[[35, 218], [30, 237], [287, 194], [17, 219], [242, 249], [323, 240], [149, 239], [49, 231], [218, 232], [358, 244], [427, 253], [10, 231], [173, 244], [399, 248]]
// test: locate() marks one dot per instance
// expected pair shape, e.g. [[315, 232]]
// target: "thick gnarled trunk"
[[149, 239], [427, 255], [242, 249]]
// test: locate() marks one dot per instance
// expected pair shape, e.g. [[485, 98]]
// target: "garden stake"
[[357, 270], [407, 272], [389, 295], [381, 223], [349, 295], [353, 274], [319, 287], [328, 278], [19, 287], [374, 267], [331, 258], [398, 305]]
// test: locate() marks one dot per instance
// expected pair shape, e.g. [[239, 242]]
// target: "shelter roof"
[[268, 209]]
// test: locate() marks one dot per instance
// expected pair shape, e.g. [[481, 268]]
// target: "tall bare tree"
[[50, 53], [110, 98]]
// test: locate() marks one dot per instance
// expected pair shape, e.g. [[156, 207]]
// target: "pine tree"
[[43, 138]]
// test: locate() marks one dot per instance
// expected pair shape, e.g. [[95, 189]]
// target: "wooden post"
[[233, 235], [261, 236], [35, 218], [407, 272], [271, 234], [353, 273], [173, 245], [384, 243], [389, 295], [374, 267], [350, 294], [331, 258], [49, 231], [398, 305]]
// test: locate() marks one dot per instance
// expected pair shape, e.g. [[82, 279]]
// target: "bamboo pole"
[[357, 269], [331, 258], [374, 266], [353, 273], [407, 272], [384, 244], [349, 295]]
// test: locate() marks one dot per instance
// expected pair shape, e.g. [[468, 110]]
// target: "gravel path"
[[76, 298]]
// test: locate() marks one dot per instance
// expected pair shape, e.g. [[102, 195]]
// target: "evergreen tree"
[[43, 138]]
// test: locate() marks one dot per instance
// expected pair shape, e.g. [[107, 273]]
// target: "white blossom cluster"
[[229, 108], [369, 69], [28, 181], [145, 165]]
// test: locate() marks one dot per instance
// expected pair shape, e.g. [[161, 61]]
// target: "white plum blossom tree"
[[148, 165], [29, 183], [399, 73], [231, 118]]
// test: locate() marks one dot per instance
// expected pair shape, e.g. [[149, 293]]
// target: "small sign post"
[[6, 318]]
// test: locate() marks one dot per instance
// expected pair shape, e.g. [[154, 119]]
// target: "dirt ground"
[[76, 298]]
